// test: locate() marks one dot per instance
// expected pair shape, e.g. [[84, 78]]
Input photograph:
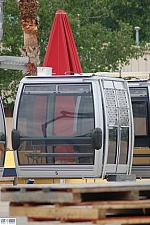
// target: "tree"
[[135, 13], [29, 21]]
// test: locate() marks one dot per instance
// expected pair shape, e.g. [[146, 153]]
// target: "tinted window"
[[140, 117], [55, 123]]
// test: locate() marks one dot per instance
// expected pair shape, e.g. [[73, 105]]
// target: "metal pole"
[[1, 19], [137, 34], [120, 73]]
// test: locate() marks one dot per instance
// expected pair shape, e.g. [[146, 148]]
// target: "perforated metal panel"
[[111, 105], [123, 107], [117, 106]]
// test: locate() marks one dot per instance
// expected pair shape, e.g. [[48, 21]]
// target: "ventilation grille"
[[117, 107]]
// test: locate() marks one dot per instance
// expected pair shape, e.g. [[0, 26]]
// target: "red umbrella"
[[61, 53], [62, 56]]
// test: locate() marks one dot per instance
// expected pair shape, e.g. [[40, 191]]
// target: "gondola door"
[[119, 126]]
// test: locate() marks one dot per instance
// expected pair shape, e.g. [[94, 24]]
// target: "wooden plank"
[[89, 187], [32, 222], [39, 196], [86, 187], [141, 204], [57, 213], [110, 204], [125, 220]]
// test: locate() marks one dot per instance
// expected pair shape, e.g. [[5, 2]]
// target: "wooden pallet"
[[103, 203]]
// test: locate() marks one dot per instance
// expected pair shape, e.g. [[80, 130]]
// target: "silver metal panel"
[[13, 62]]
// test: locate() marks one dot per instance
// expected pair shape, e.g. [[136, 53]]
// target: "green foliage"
[[11, 42], [103, 31], [9, 80], [135, 13]]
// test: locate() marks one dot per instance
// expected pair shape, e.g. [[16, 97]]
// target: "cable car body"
[[140, 97], [77, 126], [2, 137]]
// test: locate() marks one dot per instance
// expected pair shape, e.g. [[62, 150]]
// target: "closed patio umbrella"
[[62, 56], [61, 53]]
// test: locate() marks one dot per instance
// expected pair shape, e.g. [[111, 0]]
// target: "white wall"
[[139, 65]]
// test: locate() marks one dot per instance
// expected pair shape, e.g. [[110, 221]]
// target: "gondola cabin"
[[140, 97], [2, 137], [77, 126]]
